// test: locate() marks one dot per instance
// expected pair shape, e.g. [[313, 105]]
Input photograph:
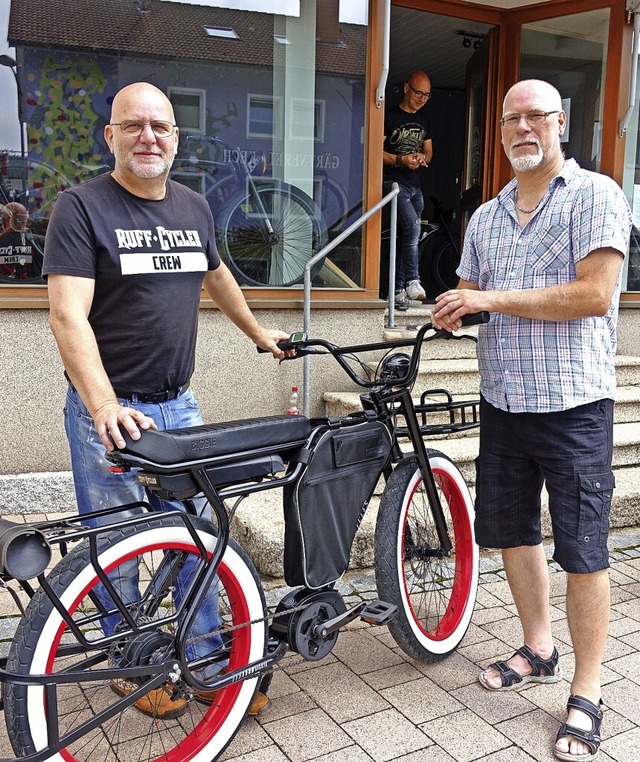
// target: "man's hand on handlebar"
[[268, 342], [452, 305]]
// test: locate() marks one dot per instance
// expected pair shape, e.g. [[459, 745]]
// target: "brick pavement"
[[368, 701]]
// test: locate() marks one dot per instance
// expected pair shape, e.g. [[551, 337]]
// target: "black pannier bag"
[[324, 507]]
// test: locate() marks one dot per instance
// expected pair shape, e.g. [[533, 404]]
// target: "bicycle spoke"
[[270, 243]]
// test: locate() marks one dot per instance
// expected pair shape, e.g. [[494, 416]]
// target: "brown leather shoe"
[[157, 703], [260, 701]]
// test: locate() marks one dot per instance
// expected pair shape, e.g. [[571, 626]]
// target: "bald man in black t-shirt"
[[126, 257], [407, 151]]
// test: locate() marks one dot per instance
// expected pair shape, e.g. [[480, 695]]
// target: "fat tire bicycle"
[[266, 229], [61, 677]]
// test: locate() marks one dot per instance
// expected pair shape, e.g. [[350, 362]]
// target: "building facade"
[[281, 117]]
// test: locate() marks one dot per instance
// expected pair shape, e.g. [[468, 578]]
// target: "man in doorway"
[[407, 149], [544, 258]]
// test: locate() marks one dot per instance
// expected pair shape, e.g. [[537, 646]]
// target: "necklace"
[[525, 211]]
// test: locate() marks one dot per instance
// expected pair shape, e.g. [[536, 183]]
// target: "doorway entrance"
[[444, 47]]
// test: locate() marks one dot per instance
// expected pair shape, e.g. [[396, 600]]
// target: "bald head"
[[536, 91], [143, 158], [135, 96], [532, 125], [15, 217], [416, 92]]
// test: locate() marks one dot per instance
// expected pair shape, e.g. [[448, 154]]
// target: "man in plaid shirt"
[[544, 258]]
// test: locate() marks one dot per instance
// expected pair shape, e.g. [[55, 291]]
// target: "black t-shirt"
[[148, 260], [404, 133]]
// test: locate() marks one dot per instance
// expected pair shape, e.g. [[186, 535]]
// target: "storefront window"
[[571, 53], [631, 187], [270, 108]]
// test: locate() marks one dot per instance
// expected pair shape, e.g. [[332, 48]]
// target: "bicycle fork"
[[415, 436]]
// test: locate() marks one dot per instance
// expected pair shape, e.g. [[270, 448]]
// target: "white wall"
[[231, 381]]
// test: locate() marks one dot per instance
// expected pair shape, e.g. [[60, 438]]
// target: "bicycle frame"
[[247, 447]]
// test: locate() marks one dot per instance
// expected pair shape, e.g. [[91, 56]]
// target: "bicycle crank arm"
[[374, 612]]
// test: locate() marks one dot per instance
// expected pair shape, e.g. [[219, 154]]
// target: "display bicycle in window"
[[266, 229]]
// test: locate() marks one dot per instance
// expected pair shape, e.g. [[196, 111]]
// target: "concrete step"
[[258, 524], [438, 349], [627, 370], [627, 408], [417, 314], [459, 376]]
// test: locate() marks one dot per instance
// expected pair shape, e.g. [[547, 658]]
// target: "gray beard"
[[526, 163]]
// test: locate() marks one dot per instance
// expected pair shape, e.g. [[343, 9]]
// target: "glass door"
[[570, 52]]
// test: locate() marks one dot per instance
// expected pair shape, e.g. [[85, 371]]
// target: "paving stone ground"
[[368, 701]]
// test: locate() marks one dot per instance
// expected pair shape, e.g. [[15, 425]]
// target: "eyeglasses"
[[133, 129], [420, 93], [531, 117]]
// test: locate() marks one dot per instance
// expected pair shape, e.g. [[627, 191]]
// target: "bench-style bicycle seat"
[[210, 440]]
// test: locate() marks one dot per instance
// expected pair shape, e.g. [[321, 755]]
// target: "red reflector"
[[117, 470]]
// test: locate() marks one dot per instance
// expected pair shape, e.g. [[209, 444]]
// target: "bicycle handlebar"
[[305, 346]]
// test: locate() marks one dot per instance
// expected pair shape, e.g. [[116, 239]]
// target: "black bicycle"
[[266, 229], [439, 252], [60, 680]]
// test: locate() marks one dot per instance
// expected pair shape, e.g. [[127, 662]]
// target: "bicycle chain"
[[231, 628]]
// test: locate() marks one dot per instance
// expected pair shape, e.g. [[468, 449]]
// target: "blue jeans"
[[96, 488], [410, 206]]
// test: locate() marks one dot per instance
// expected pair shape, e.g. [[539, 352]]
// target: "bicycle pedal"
[[378, 612]]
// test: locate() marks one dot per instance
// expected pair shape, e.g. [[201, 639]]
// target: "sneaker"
[[415, 291], [260, 701], [401, 300], [158, 703]]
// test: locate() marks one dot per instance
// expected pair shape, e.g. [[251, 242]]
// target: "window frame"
[[277, 113], [201, 94]]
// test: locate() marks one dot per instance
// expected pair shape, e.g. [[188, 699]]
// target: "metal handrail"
[[390, 197]]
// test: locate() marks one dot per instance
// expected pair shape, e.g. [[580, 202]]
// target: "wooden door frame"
[[616, 76], [506, 68]]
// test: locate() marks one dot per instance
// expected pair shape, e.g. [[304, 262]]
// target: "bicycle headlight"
[[395, 367]]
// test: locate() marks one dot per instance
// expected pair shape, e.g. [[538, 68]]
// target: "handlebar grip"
[[284, 344], [475, 318], [294, 340]]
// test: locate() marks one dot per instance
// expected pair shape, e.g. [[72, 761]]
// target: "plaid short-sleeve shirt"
[[540, 366]]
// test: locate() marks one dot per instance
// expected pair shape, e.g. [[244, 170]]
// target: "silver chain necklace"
[[525, 211]]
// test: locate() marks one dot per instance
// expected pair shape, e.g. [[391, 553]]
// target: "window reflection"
[[271, 133], [570, 52]]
